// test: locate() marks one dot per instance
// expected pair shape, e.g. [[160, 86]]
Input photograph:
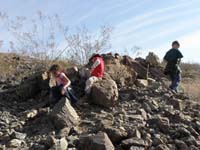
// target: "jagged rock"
[[115, 135], [136, 66], [134, 132], [121, 74], [161, 122], [104, 93], [99, 141], [152, 59], [133, 142], [141, 83], [64, 114]]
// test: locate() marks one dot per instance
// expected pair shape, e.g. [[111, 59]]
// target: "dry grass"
[[191, 80], [192, 88]]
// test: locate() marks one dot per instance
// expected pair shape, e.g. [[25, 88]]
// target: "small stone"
[[63, 132], [136, 148], [18, 135], [115, 135], [162, 147], [61, 144], [133, 142], [32, 114], [141, 83]]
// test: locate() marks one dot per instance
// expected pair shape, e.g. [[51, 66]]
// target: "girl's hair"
[[55, 67], [94, 55]]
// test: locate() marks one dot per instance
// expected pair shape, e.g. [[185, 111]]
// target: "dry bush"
[[47, 38]]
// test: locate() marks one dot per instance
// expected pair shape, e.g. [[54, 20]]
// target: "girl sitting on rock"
[[62, 88]]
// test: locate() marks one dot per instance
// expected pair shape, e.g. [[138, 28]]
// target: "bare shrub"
[[47, 38]]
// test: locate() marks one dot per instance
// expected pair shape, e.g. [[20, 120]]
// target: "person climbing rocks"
[[173, 58], [62, 88], [96, 71]]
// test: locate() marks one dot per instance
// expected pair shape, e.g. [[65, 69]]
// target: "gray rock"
[[104, 93], [99, 141], [115, 135], [64, 114]]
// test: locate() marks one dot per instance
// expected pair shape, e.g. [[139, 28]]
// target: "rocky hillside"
[[130, 109]]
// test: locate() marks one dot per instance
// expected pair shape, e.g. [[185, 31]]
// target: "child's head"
[[175, 44], [55, 70], [93, 56]]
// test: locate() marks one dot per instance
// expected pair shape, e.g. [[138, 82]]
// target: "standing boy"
[[173, 59]]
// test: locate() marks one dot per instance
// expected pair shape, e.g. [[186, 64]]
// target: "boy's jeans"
[[175, 80], [89, 83]]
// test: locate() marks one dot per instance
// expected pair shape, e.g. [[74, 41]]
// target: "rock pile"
[[144, 116]]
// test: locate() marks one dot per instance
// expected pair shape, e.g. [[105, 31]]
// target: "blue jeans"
[[175, 80]]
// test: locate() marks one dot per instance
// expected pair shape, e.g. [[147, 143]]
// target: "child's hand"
[[63, 91]]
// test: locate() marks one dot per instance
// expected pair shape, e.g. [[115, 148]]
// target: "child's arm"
[[95, 64], [67, 81]]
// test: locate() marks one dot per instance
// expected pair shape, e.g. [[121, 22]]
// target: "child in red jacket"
[[96, 71]]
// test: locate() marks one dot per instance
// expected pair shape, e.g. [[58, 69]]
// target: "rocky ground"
[[124, 113]]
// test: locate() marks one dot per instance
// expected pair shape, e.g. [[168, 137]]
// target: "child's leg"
[[73, 98], [55, 92], [175, 81], [89, 84]]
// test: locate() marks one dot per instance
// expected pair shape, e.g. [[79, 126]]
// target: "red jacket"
[[98, 67]]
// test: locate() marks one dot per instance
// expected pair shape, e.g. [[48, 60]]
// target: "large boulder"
[[120, 73], [99, 141], [64, 114], [104, 93]]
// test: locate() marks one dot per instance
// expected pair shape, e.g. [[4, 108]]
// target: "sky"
[[149, 24]]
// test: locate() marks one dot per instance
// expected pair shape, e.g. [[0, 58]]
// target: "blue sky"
[[150, 24]]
